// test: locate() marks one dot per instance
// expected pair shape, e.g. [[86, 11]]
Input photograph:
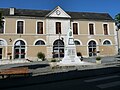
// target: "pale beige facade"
[[26, 46]]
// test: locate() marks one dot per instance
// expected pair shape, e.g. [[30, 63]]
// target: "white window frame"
[[97, 47], [38, 40], [78, 41], [23, 25], [94, 27], [43, 27], [5, 42], [78, 27], [25, 46], [5, 45], [107, 40], [107, 28], [4, 26]]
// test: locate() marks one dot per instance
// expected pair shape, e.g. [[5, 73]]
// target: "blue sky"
[[108, 6]]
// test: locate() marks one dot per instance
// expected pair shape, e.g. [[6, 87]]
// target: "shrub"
[[79, 54], [98, 58], [53, 60], [41, 56]]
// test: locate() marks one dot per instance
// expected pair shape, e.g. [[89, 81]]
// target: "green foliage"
[[0, 19], [98, 58], [117, 17], [53, 60], [41, 56], [79, 54], [117, 20]]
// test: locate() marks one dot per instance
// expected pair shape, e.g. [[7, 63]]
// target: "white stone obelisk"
[[70, 57]]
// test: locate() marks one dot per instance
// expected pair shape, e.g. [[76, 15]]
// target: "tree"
[[117, 20], [1, 20], [117, 23]]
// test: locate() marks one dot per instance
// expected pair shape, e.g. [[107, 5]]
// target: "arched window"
[[19, 49], [58, 43], [40, 42], [20, 43], [92, 44], [92, 48], [77, 42], [2, 42], [58, 48], [106, 42], [2, 50]]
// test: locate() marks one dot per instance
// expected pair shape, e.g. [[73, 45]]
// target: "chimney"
[[12, 11]]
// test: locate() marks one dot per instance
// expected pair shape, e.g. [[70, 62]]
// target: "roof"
[[90, 16], [43, 13]]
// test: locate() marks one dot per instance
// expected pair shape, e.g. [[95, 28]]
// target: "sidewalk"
[[13, 61], [18, 63], [24, 62], [54, 75], [106, 59], [43, 73], [43, 67]]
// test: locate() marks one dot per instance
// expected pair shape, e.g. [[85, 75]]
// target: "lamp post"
[[117, 29], [59, 47]]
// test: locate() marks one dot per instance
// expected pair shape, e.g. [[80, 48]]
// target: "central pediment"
[[58, 12]]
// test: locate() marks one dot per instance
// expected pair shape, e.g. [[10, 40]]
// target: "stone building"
[[27, 32]]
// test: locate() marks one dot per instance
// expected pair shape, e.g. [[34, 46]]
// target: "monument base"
[[67, 60], [70, 57]]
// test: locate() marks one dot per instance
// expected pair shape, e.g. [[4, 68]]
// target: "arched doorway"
[[92, 48], [19, 49], [58, 48], [2, 44]]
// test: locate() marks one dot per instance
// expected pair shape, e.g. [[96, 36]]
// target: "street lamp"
[[59, 46], [117, 29]]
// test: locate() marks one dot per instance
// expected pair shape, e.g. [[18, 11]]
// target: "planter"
[[98, 61]]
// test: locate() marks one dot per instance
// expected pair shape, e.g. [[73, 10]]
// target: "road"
[[103, 82]]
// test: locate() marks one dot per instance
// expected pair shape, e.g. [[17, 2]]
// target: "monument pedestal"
[[70, 57]]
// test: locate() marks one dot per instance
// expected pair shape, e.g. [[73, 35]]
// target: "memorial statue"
[[70, 57]]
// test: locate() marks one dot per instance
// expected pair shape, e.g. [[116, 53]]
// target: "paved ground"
[[43, 67], [103, 82], [104, 59], [40, 63], [39, 69]]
